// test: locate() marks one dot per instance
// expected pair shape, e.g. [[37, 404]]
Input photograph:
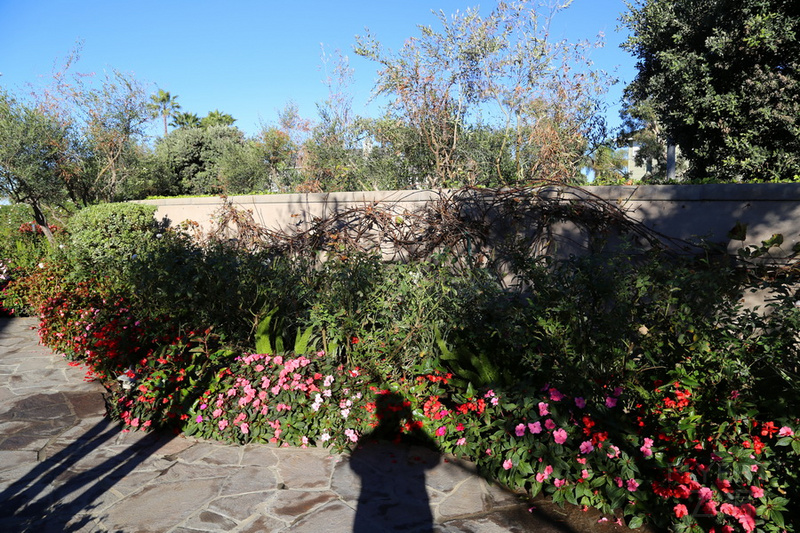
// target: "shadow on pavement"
[[393, 495], [59, 493]]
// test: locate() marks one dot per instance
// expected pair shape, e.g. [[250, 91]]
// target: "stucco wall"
[[687, 212]]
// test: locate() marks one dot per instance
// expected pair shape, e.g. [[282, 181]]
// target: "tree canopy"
[[33, 161], [723, 80]]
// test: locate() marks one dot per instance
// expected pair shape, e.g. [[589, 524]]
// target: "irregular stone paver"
[[64, 467]]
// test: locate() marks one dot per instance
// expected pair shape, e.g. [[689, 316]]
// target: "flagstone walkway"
[[65, 467]]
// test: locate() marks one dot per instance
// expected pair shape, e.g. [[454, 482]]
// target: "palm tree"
[[217, 118], [185, 120], [164, 105]]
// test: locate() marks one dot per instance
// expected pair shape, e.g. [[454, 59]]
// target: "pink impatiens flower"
[[519, 430], [757, 492], [460, 442], [535, 428], [507, 464], [549, 424], [611, 402], [543, 411], [580, 402], [632, 485], [555, 395], [785, 431], [440, 431], [586, 447], [560, 436]]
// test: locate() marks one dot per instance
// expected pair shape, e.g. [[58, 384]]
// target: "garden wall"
[[684, 212]]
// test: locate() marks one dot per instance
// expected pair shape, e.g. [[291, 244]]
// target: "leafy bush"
[[106, 238]]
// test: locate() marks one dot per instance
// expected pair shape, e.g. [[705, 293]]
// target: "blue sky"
[[244, 57]]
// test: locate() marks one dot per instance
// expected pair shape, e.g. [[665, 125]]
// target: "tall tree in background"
[[185, 120], [502, 72], [31, 158], [114, 117], [723, 79], [164, 105], [216, 118]]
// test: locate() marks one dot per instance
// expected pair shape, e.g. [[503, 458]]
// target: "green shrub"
[[106, 238]]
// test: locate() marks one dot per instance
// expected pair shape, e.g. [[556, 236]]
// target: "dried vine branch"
[[485, 225]]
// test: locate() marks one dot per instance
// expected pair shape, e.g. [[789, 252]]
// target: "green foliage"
[[108, 238], [34, 157], [722, 81], [491, 99], [22, 241], [163, 105], [193, 155]]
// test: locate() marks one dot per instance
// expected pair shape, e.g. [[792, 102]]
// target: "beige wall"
[[688, 212]]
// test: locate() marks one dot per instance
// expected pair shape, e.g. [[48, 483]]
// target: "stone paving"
[[65, 467]]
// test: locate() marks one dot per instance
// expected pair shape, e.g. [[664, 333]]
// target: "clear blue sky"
[[247, 58]]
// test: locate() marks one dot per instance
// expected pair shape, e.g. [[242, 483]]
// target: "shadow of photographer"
[[391, 462]]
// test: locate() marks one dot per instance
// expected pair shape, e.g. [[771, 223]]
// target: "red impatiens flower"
[[768, 429]]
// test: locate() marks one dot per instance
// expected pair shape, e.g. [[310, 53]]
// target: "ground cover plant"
[[633, 382]]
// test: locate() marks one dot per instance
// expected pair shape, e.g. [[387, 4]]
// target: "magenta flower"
[[560, 436], [559, 482], [440, 431], [535, 428], [580, 402], [632, 485], [543, 411], [611, 402], [549, 424], [507, 464], [520, 430], [555, 395], [586, 446]]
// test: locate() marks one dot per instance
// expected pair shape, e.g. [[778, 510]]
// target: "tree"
[[193, 155], [113, 116], [164, 105], [723, 79], [31, 158], [608, 165], [185, 120], [496, 83], [216, 118]]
